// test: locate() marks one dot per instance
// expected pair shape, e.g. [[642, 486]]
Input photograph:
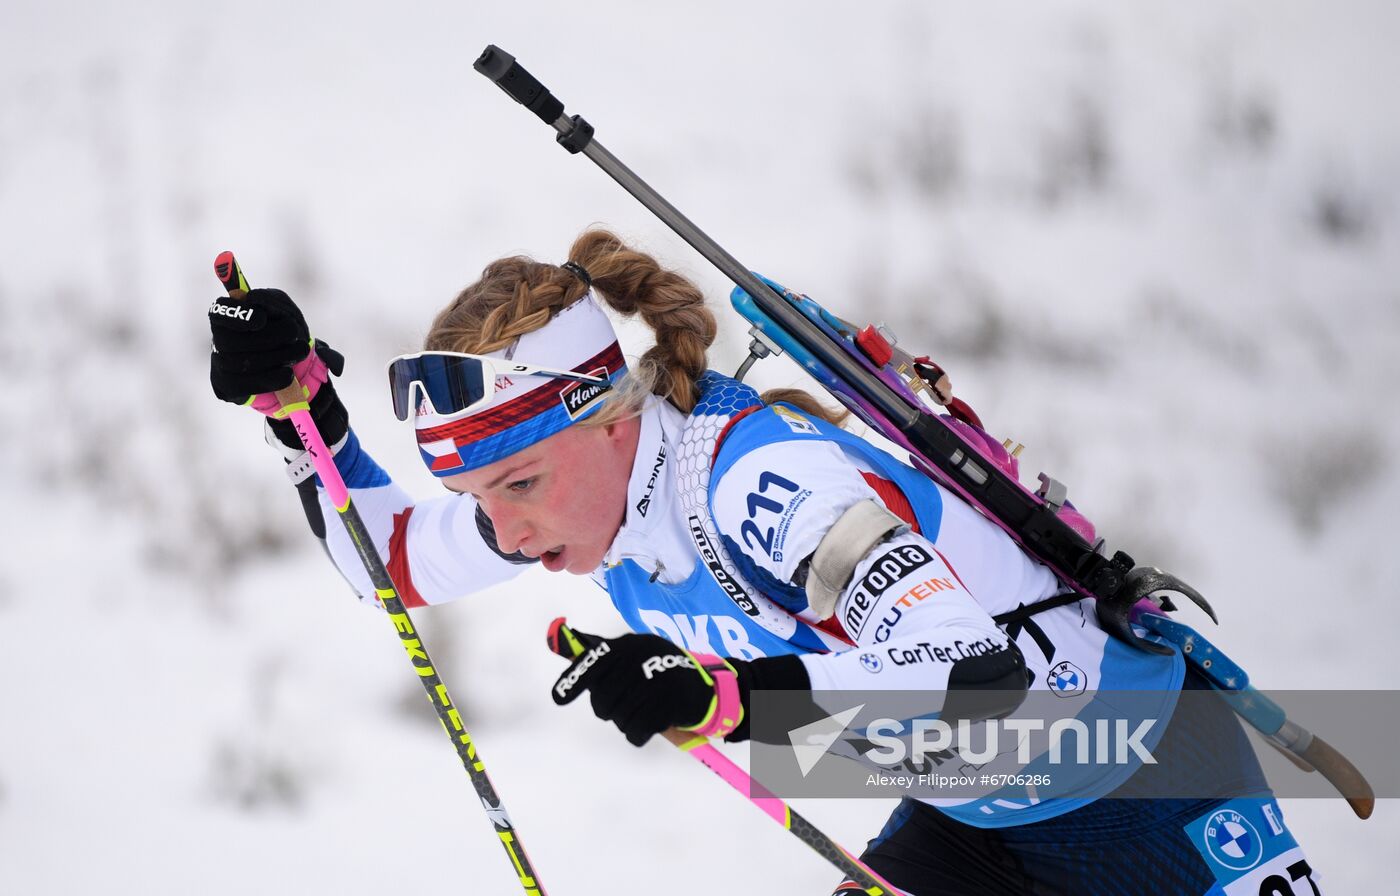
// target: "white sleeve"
[[435, 549], [910, 616], [451, 553], [912, 621], [777, 501], [376, 507]]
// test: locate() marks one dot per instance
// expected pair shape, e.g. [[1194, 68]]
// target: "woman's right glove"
[[644, 684], [260, 342]]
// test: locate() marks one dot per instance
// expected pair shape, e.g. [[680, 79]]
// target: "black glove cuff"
[[773, 673], [329, 414]]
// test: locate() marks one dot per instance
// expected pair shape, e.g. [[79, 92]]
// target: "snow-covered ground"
[[1155, 243]]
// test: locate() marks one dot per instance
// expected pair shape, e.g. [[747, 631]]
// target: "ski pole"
[[296, 407], [565, 642]]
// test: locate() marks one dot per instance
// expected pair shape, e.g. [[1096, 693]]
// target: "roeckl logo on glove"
[[223, 310], [566, 684], [656, 664]]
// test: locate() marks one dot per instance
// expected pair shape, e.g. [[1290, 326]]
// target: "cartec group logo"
[[1232, 841]]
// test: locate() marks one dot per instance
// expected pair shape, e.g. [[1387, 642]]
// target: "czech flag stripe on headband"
[[527, 409]]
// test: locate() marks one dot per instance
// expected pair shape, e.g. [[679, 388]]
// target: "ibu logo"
[[871, 662], [1067, 680], [1232, 841]]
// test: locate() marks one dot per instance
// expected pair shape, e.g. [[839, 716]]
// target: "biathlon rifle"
[[899, 396]]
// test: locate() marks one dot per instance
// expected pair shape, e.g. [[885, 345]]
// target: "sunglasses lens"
[[456, 384], [450, 384], [400, 385]]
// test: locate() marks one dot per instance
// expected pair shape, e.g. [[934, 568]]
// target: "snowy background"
[[1156, 243]]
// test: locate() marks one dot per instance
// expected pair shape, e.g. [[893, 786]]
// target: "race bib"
[[1247, 845]]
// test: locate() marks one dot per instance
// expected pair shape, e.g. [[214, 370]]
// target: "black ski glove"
[[644, 684], [260, 341]]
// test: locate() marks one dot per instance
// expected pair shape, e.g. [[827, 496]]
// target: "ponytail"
[[633, 284]]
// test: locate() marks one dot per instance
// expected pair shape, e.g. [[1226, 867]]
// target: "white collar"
[[651, 494]]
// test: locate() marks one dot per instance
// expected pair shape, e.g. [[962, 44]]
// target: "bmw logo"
[[1233, 841], [871, 662], [1067, 680]]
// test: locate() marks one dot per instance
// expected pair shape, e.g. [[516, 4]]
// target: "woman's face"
[[562, 499]]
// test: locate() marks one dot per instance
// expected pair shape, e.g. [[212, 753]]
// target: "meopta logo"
[[890, 568], [222, 310], [655, 665], [566, 684], [721, 575], [1232, 841]]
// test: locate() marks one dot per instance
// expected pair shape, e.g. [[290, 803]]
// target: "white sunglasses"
[[453, 384]]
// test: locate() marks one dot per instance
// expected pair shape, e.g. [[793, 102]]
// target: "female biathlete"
[[557, 451]]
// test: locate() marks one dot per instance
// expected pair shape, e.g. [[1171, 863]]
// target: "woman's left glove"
[[259, 343], [644, 684]]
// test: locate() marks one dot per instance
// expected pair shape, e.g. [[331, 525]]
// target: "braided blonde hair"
[[517, 295]]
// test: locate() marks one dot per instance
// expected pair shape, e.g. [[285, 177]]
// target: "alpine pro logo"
[[655, 665], [219, 309], [644, 504], [578, 398], [721, 575]]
